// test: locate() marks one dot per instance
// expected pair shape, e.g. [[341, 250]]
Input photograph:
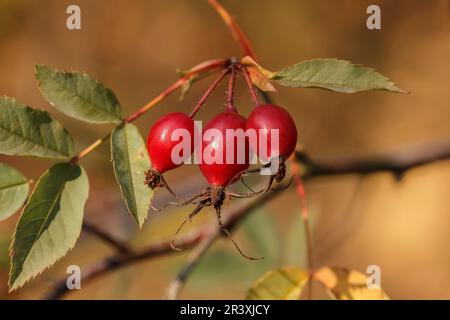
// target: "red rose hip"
[[224, 145], [268, 117], [160, 144]]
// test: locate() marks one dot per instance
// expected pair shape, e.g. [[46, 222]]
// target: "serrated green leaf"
[[130, 161], [78, 96], [13, 190], [280, 284], [345, 284], [335, 75], [25, 131], [50, 223]]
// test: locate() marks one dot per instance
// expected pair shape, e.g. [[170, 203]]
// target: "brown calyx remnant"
[[153, 179], [281, 173], [217, 196]]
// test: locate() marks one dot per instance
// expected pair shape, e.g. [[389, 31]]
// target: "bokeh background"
[[134, 48]]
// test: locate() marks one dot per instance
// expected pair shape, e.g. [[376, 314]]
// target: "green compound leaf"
[[25, 131], [335, 75], [50, 223], [280, 284], [13, 190], [78, 96], [130, 161]]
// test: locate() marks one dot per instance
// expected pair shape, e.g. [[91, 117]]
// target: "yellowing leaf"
[[248, 61], [260, 81], [280, 284], [259, 76], [345, 284]]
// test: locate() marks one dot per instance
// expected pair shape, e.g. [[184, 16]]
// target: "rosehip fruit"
[[265, 118], [225, 155], [160, 144]]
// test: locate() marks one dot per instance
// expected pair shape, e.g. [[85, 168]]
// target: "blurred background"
[[134, 47]]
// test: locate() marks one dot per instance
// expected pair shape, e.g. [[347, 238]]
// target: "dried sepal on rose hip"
[[221, 175], [225, 157], [160, 142], [264, 119]]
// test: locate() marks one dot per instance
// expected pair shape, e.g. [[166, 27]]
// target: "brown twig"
[[175, 287], [211, 231], [397, 161], [106, 237], [118, 261], [350, 166]]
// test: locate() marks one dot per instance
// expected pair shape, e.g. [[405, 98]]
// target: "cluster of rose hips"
[[220, 176]]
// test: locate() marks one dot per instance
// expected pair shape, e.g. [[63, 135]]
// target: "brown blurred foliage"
[[135, 46]]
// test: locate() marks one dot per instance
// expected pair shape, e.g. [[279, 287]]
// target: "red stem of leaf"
[[200, 68], [207, 65]]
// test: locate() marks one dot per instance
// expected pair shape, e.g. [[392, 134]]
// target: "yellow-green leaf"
[[333, 74], [25, 131], [260, 81], [345, 284], [50, 222], [130, 160], [78, 95], [249, 62], [13, 190], [280, 284]]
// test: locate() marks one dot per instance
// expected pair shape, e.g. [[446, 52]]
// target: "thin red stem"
[[230, 94], [198, 69], [213, 64], [208, 92], [300, 189], [236, 31], [250, 87]]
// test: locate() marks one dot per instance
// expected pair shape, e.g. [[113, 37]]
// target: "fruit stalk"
[[230, 93], [198, 69], [208, 92], [202, 67], [250, 87]]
